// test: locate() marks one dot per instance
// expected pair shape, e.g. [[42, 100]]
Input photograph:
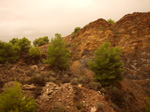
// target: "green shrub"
[[107, 64], [58, 54], [41, 41], [110, 21], [9, 52], [76, 30], [13, 100], [35, 52]]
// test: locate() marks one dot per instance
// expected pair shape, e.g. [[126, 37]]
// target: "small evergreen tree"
[[9, 52], [107, 64], [57, 53], [41, 41], [13, 100], [24, 44]]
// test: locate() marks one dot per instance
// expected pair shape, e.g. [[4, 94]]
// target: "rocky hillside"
[[132, 34], [74, 90]]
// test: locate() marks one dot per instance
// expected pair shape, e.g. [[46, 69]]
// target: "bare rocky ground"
[[72, 90]]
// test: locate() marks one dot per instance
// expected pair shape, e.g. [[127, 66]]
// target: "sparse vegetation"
[[41, 41], [58, 107], [76, 30], [110, 21], [118, 97], [107, 65], [38, 79], [58, 54], [13, 100]]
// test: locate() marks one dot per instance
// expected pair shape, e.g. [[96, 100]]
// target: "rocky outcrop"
[[70, 96]]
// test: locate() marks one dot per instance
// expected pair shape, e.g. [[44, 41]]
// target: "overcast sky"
[[38, 18]]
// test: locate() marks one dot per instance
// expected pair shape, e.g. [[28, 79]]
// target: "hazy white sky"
[[36, 18]]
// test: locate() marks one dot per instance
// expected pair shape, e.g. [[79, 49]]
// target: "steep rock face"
[[132, 33]]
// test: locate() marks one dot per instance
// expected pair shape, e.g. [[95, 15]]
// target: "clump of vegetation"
[[147, 107], [107, 65], [76, 30], [35, 52], [13, 100], [94, 85], [38, 79], [14, 40], [41, 41], [58, 108], [24, 45], [58, 54], [110, 21], [9, 52]]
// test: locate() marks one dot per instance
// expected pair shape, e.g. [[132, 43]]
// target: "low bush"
[[38, 79], [76, 30], [13, 100], [110, 21]]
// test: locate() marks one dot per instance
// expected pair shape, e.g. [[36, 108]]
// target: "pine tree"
[[13, 100], [107, 64], [58, 54]]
